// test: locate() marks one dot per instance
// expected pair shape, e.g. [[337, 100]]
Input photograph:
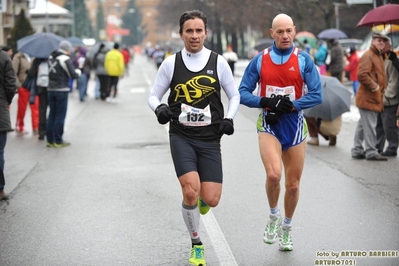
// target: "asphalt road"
[[112, 197]]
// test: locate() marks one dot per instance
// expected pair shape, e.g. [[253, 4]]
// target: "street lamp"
[[47, 26], [336, 11], [73, 17]]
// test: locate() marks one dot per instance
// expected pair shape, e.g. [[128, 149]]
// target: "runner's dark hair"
[[192, 15]]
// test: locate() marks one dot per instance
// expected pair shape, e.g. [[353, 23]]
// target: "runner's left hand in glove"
[[278, 104], [226, 127]]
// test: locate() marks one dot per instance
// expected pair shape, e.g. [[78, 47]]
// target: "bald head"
[[282, 19], [283, 31]]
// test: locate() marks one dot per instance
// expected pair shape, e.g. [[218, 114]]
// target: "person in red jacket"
[[21, 63], [126, 59], [353, 60]]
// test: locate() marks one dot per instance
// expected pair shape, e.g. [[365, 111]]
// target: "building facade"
[[46, 16], [115, 9], [58, 20], [7, 16]]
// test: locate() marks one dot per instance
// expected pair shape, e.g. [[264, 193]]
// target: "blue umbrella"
[[332, 34], [75, 41], [39, 45]]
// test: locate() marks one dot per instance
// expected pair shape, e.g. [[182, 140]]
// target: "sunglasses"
[[380, 40]]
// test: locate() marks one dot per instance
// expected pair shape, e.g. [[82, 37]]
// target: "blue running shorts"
[[290, 130]]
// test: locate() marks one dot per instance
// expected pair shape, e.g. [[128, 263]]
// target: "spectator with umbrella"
[[38, 45], [372, 78]]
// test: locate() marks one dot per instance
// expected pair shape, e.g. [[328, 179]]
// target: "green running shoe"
[[272, 228], [285, 240], [61, 145], [203, 207], [49, 145], [197, 256]]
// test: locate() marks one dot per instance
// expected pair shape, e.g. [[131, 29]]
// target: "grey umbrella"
[[332, 34], [75, 41], [39, 45], [336, 100]]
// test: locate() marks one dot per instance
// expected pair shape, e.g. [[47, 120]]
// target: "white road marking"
[[137, 90], [219, 243], [148, 80]]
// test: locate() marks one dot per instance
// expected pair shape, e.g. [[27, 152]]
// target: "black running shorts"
[[191, 155]]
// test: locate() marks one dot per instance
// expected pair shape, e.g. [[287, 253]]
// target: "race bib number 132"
[[195, 117]]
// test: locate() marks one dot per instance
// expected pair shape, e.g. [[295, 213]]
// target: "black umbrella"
[[263, 43], [39, 45]]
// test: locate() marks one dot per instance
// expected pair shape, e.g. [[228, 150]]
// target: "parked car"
[[346, 43]]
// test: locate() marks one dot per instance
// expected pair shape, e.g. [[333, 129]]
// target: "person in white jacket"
[[231, 57]]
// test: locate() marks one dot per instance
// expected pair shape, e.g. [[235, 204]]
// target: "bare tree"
[[229, 19]]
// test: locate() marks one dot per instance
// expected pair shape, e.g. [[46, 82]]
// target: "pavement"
[[112, 197]]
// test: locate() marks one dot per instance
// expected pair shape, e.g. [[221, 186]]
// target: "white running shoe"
[[285, 240], [271, 232]]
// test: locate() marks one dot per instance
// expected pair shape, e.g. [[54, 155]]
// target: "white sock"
[[287, 221], [275, 211]]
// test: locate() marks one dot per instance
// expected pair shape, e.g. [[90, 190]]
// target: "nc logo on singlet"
[[195, 90]]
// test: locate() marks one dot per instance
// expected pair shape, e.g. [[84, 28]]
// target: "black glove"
[[279, 104], [272, 118], [164, 114], [226, 127], [392, 55]]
